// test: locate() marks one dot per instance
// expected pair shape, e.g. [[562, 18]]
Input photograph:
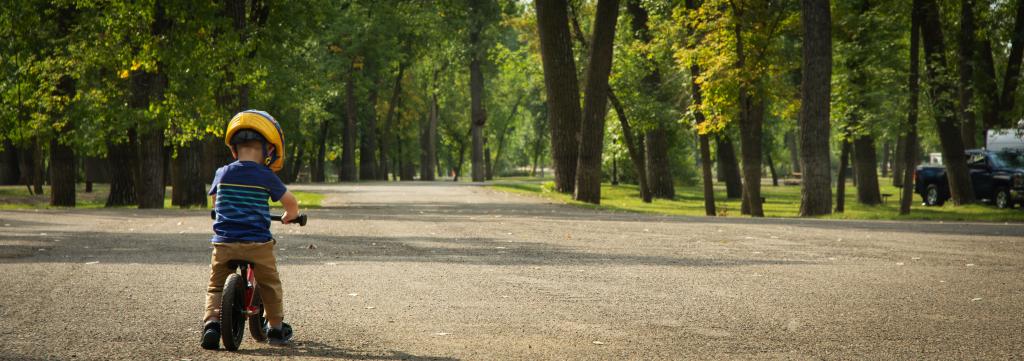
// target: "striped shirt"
[[243, 213]]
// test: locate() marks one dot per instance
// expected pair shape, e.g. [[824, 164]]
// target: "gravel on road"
[[399, 271]]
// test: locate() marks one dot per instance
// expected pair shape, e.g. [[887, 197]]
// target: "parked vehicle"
[[997, 177]]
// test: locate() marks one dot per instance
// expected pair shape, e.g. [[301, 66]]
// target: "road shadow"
[[157, 248], [323, 350]]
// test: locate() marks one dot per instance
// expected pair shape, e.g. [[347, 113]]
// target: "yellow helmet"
[[257, 125]]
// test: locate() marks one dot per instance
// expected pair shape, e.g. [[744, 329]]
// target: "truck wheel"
[[1003, 199], [932, 197]]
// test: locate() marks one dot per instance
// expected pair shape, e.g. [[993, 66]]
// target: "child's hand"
[[287, 217]]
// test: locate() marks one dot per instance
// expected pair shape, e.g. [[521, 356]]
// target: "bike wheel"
[[257, 321], [232, 321]]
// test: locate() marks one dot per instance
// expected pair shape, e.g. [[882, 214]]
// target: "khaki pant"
[[261, 255]]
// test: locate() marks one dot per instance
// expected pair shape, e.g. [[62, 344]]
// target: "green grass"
[[18, 197], [781, 201]]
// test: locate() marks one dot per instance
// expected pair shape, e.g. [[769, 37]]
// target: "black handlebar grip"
[[301, 219]]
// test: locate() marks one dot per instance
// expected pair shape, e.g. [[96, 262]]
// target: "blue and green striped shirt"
[[243, 213]]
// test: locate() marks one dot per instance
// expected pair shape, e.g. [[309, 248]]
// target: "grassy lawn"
[[17, 197], [781, 201]]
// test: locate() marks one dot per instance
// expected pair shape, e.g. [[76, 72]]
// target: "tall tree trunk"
[[815, 104], [966, 65], [478, 114], [730, 167], [844, 162], [988, 89], [941, 90], [886, 152], [488, 163], [28, 167], [146, 88], [320, 162], [428, 142], [62, 175], [752, 108], [659, 172], [295, 165], [150, 187], [348, 151], [910, 143], [562, 89], [122, 158], [702, 138], [189, 176], [635, 154], [595, 105], [659, 169], [368, 140], [9, 171], [771, 168], [396, 98], [898, 161], [867, 174], [794, 153]]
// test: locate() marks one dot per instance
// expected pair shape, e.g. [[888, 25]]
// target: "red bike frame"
[[250, 290]]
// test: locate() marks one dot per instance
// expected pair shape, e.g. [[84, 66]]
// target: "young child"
[[242, 228]]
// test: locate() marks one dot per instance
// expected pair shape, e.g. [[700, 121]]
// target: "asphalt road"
[[452, 272]]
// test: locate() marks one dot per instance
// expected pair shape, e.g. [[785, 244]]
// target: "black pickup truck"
[[996, 176]]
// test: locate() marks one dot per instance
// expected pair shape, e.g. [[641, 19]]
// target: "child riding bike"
[[242, 228]]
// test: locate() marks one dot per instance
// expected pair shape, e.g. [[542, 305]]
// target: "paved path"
[[440, 271]]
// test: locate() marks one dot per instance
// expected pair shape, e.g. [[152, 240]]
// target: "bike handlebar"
[[301, 219]]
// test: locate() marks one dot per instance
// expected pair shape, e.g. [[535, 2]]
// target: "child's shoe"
[[211, 335], [280, 337]]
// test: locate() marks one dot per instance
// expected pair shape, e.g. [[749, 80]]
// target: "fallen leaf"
[[976, 299], [311, 246]]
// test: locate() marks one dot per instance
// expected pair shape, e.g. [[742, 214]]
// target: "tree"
[[705, 146], [588, 170], [348, 153], [815, 185], [659, 173], [562, 89], [941, 95], [910, 140], [965, 58]]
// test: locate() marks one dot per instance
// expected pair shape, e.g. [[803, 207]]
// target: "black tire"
[[257, 321], [1002, 198], [232, 321], [932, 196]]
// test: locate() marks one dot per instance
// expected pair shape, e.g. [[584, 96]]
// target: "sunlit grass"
[[781, 201], [18, 197]]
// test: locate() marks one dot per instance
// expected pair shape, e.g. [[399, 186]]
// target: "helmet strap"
[[266, 155]]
